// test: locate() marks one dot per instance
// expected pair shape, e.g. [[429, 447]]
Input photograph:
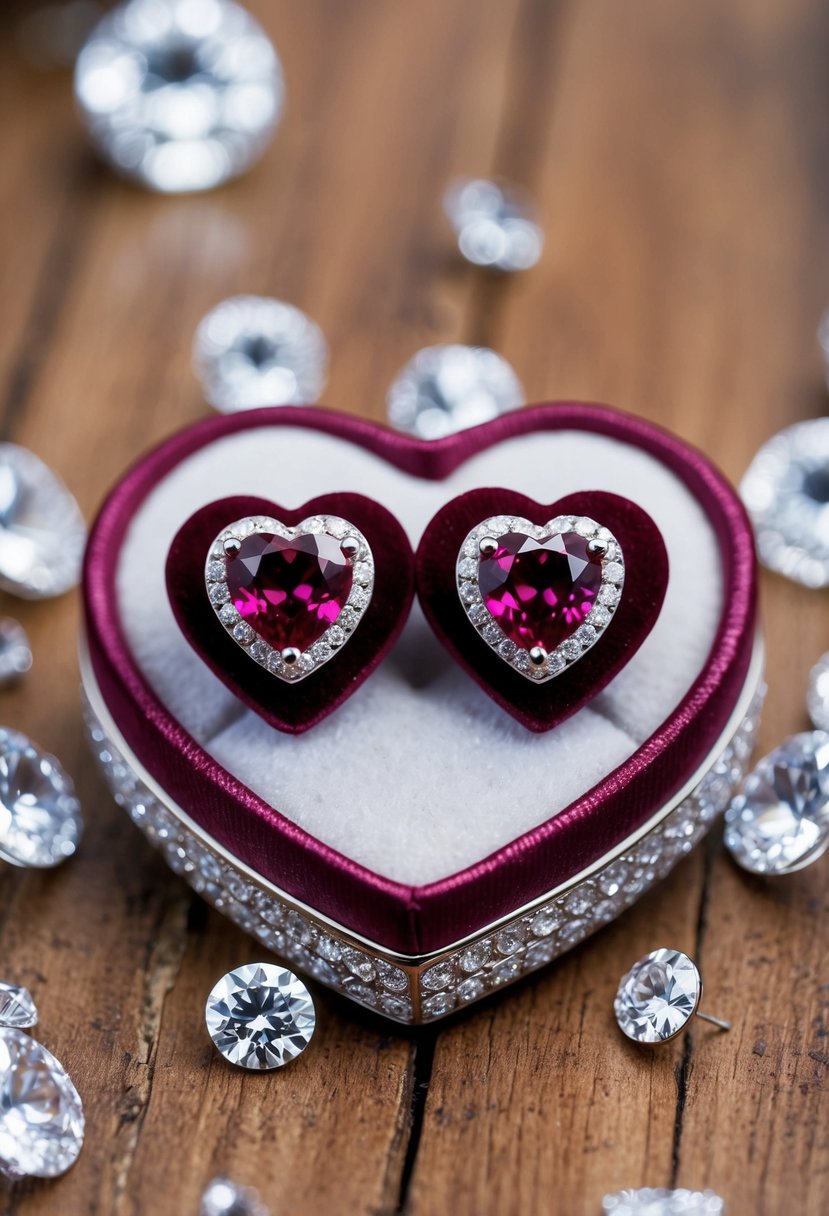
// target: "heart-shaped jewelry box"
[[419, 847]]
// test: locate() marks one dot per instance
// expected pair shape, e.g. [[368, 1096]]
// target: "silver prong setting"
[[487, 546]]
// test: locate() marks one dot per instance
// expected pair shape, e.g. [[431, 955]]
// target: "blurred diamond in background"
[[179, 95], [445, 389], [252, 351], [493, 224]]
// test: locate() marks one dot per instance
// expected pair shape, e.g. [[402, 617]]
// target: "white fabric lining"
[[420, 774]]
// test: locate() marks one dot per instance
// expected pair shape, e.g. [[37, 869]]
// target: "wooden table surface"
[[679, 155]]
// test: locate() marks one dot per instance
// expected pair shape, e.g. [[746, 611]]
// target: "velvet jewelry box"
[[419, 847]]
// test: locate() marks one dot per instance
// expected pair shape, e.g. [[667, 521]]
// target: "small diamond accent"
[[260, 1016], [658, 996], [779, 821], [40, 817], [41, 1114], [17, 1007], [445, 389]]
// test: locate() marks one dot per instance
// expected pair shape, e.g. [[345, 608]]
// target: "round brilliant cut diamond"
[[658, 996], [17, 1007], [779, 821], [260, 1016]]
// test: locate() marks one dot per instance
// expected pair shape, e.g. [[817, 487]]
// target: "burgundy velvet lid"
[[414, 920]]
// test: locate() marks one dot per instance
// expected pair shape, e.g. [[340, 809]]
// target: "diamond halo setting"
[[260, 1016], [290, 627], [540, 596]]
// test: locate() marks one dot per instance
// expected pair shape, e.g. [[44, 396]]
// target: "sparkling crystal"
[[260, 1016], [658, 996], [539, 954], [40, 817], [445, 389], [818, 694], [475, 956], [786, 492], [658, 1201], [439, 1004], [42, 532], [510, 939], [41, 1115], [289, 590], [471, 989], [223, 1197], [251, 351], [540, 592], [438, 976], [359, 964], [493, 224], [780, 819], [15, 654], [17, 1007], [179, 95], [392, 977], [545, 922]]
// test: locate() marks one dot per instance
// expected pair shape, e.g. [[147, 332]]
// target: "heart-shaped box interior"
[[419, 847]]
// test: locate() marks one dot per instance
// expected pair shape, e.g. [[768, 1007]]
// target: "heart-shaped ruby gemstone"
[[290, 590], [540, 591]]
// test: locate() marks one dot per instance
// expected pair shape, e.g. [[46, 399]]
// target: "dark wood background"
[[679, 154]]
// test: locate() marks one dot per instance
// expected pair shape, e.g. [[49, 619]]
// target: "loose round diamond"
[[445, 389], [15, 653], [42, 531], [818, 694], [494, 225], [180, 95], [252, 351], [17, 1007], [658, 996], [260, 1016], [41, 1114], [786, 492], [658, 1201], [223, 1197], [779, 821], [40, 817]]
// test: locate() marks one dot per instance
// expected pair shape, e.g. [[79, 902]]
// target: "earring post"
[[723, 1025]]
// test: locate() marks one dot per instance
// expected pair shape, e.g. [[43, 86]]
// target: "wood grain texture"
[[678, 156]]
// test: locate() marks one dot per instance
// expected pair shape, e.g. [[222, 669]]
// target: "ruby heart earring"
[[540, 596], [290, 597], [291, 608]]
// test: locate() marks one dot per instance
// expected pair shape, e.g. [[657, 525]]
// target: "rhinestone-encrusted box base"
[[414, 990]]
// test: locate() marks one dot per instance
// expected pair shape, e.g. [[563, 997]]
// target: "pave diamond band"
[[414, 990]]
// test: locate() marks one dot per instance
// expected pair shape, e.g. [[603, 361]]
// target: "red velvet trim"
[[540, 707], [293, 708], [413, 920]]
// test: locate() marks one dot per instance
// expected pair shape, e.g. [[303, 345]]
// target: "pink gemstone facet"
[[289, 590], [539, 592]]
